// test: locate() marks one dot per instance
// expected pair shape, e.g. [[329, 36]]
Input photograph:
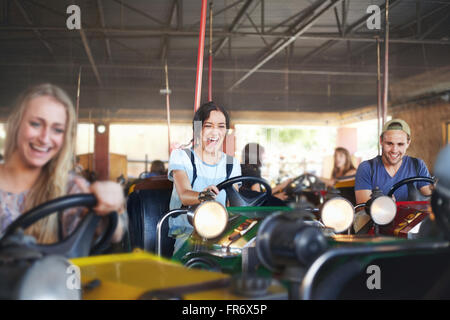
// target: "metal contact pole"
[[77, 110], [167, 106]]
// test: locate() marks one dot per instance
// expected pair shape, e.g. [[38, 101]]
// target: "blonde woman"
[[343, 168], [39, 146]]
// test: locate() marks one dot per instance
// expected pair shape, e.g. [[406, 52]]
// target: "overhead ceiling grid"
[[268, 55]]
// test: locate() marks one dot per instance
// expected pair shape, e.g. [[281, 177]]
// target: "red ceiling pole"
[[210, 54], [201, 46], [386, 64], [210, 78], [379, 97]]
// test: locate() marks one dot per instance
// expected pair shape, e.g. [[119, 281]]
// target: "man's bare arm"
[[362, 196]]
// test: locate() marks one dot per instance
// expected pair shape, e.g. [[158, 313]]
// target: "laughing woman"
[[198, 170], [38, 160]]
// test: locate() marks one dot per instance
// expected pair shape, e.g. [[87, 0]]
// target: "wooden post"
[[101, 151]]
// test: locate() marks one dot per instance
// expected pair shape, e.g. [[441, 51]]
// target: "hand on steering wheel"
[[238, 200], [79, 243], [417, 194]]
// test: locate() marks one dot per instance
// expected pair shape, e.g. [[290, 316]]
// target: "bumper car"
[[399, 219], [222, 236], [308, 186], [406, 254], [315, 190], [224, 239], [33, 271], [289, 253], [316, 253], [76, 267]]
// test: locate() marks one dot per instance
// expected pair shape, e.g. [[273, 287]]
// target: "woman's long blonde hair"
[[52, 181], [348, 165]]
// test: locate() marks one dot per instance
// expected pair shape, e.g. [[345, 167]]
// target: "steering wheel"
[[79, 243], [237, 199], [304, 181], [415, 193]]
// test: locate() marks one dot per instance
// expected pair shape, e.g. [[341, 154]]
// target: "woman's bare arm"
[[183, 187]]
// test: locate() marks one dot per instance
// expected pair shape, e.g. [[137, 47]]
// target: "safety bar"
[[313, 271], [174, 213]]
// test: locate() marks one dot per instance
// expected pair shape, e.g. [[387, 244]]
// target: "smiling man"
[[392, 166]]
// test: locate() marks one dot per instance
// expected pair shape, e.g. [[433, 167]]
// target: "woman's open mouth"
[[212, 140], [39, 149]]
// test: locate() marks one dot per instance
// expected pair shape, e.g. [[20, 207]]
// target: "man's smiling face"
[[394, 144]]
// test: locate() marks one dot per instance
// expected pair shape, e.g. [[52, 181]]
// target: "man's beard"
[[391, 161]]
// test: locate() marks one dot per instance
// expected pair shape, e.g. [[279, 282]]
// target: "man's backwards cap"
[[397, 124]]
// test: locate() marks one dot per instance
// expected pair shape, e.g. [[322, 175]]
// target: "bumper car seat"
[[146, 205], [347, 190]]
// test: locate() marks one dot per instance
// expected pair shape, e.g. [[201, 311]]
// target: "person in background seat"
[[156, 169], [252, 156], [343, 168]]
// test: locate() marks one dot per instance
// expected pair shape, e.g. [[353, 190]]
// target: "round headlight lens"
[[210, 219], [383, 210], [50, 278], [338, 213]]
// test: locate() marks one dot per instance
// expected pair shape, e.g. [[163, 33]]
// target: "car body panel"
[[409, 215], [142, 275], [130, 275]]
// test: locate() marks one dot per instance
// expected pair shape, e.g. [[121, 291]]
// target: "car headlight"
[[382, 210], [210, 219], [338, 213], [42, 279]]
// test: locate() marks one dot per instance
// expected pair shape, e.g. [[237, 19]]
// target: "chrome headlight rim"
[[372, 206], [323, 212], [204, 210], [50, 278]]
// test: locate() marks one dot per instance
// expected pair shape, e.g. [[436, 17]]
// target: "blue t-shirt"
[[207, 175], [366, 179]]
